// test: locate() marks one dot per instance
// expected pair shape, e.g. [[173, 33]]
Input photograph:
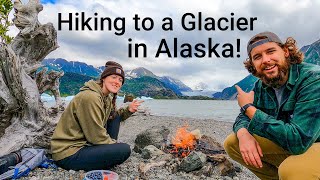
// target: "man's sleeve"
[[299, 132], [242, 121]]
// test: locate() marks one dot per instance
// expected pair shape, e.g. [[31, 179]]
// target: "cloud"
[[286, 18]]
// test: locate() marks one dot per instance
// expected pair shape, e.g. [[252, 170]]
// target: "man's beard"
[[278, 80]]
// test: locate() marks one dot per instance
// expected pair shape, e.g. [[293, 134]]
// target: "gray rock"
[[72, 171], [195, 160], [151, 151], [156, 136], [237, 167], [227, 178], [226, 168], [206, 170]]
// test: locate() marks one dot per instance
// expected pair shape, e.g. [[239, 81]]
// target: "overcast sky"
[[296, 18]]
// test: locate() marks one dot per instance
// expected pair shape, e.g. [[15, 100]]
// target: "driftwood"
[[50, 82], [145, 167], [23, 119]]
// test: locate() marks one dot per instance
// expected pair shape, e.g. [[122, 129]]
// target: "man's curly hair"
[[295, 55]]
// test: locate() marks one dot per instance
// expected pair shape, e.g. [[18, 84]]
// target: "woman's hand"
[[133, 106]]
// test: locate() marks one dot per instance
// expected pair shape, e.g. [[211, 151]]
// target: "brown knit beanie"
[[113, 68]]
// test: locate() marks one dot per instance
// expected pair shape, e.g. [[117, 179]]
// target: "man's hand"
[[243, 97], [133, 106], [249, 148]]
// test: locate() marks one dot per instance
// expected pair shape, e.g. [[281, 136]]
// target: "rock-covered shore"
[[129, 169]]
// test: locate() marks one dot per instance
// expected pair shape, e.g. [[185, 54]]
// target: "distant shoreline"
[[222, 110], [179, 97]]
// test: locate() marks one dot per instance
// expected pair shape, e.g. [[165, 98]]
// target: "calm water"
[[200, 109]]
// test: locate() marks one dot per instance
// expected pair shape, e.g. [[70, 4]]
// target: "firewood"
[[145, 167], [197, 134]]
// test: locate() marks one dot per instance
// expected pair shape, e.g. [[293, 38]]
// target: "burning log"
[[177, 151], [210, 144], [207, 148]]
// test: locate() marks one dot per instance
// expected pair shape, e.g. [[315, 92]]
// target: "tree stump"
[[24, 121]]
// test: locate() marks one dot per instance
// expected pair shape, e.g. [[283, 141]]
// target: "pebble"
[[129, 171], [227, 178], [72, 171]]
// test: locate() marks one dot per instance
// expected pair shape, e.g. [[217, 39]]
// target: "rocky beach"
[[130, 169]]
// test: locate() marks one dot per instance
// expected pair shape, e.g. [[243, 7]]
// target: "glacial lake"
[[199, 109]]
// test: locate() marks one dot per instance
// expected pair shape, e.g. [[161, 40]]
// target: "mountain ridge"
[[59, 64]]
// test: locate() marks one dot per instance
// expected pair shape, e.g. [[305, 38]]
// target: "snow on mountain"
[[201, 86]]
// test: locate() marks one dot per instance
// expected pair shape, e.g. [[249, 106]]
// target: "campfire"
[[187, 151], [184, 142]]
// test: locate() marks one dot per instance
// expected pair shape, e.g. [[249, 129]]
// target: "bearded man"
[[277, 133]]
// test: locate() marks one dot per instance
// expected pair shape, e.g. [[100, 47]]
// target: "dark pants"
[[96, 157]]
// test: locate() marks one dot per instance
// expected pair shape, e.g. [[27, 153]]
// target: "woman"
[[85, 136]]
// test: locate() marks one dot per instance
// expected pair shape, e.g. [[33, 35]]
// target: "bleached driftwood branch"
[[23, 119]]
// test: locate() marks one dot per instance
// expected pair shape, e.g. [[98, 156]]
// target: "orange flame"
[[184, 139]]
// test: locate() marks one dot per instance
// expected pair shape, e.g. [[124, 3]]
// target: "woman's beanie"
[[113, 68]]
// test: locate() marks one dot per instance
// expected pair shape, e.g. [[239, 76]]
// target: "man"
[[276, 135]]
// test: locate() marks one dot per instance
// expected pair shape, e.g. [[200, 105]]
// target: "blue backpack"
[[31, 158]]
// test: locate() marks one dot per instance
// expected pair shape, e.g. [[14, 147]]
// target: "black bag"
[[9, 160]]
